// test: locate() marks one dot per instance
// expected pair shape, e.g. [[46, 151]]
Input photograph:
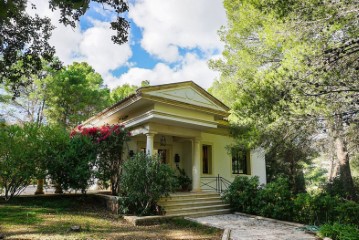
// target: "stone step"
[[169, 201], [192, 195], [195, 203], [149, 220], [190, 210], [200, 214]]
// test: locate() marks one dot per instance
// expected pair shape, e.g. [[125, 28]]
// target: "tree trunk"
[[344, 166], [40, 187], [334, 170], [58, 189]]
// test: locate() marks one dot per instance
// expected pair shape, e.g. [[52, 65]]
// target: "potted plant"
[[183, 180]]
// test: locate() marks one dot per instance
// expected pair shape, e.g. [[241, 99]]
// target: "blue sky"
[[170, 41]]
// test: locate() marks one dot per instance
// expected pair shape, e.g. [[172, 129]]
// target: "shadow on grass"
[[30, 218], [19, 215], [183, 223]]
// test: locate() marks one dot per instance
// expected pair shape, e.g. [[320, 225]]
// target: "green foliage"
[[315, 177], [74, 94], [289, 72], [338, 231], [121, 92], [24, 38], [356, 183], [275, 200], [80, 160], [68, 161], [242, 194], [33, 151], [183, 180], [110, 152], [288, 157], [188, 224], [315, 209], [18, 155], [348, 212], [29, 106], [144, 180], [109, 141], [337, 187], [272, 200]]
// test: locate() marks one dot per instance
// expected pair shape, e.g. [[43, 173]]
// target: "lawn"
[[52, 217]]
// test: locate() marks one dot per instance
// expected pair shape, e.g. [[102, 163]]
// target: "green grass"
[[19, 215], [183, 223], [51, 218]]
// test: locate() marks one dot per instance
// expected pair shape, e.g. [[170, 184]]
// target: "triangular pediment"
[[189, 94]]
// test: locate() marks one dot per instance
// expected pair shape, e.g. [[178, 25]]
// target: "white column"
[[196, 165], [149, 143]]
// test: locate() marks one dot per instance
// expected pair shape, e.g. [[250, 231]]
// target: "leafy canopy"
[[25, 38], [74, 94], [289, 71]]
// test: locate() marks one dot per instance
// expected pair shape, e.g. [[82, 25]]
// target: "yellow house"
[[188, 128]]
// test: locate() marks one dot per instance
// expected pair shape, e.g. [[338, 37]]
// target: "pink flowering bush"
[[109, 141]]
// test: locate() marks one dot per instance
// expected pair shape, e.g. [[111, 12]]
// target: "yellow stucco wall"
[[222, 160], [182, 112]]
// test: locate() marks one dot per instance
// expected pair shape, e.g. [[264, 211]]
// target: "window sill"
[[240, 174]]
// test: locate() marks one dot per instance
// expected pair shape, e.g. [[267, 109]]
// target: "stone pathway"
[[246, 227]]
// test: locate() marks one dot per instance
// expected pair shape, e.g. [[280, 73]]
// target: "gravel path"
[[255, 228]]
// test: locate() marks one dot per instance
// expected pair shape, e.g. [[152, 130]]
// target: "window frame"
[[209, 159], [242, 157]]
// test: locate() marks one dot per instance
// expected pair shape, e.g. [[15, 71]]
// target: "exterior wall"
[[182, 148], [178, 111], [132, 146], [222, 160], [258, 165], [128, 114]]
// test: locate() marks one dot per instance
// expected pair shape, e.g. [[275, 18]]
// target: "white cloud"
[[167, 26], [191, 68], [100, 52], [94, 45], [170, 24], [64, 39]]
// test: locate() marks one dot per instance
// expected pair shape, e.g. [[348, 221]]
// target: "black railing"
[[218, 184]]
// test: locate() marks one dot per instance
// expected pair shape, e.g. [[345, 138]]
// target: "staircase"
[[193, 204]]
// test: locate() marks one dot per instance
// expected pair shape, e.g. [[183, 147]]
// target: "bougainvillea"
[[110, 143], [100, 134]]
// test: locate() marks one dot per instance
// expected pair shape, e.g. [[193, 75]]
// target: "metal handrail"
[[221, 184]]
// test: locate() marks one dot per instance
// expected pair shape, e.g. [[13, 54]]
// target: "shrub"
[[348, 213], [339, 231], [275, 200], [242, 194], [69, 161], [303, 211], [144, 180], [337, 187], [315, 209], [109, 141], [18, 148], [183, 180]]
